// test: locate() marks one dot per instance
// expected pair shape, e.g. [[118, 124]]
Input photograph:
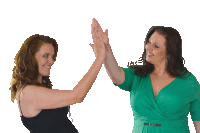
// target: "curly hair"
[[26, 70], [173, 53]]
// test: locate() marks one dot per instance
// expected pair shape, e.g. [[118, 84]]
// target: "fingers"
[[106, 32], [96, 31], [98, 35], [93, 20], [96, 26], [105, 37]]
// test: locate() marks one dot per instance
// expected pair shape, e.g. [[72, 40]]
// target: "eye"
[[47, 56], [155, 45]]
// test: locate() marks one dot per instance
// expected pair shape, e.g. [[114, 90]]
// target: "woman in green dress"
[[162, 90]]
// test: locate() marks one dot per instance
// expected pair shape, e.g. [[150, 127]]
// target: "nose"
[[148, 47], [51, 61]]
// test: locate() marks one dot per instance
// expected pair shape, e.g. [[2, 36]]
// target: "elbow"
[[119, 79], [80, 100], [77, 97]]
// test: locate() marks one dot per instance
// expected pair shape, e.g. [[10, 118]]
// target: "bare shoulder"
[[22, 95], [21, 91]]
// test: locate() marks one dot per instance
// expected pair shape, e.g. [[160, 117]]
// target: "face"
[[156, 47], [45, 58]]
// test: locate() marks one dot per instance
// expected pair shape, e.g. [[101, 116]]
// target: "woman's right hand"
[[98, 46]]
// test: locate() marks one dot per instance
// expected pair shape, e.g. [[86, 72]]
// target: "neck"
[[40, 79], [160, 74]]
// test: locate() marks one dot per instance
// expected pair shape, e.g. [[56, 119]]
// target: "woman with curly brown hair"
[[43, 109]]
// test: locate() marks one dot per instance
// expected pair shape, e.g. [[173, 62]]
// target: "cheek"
[[41, 64], [157, 52], [42, 61], [41, 68]]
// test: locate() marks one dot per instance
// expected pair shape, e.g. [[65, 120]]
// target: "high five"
[[103, 54], [115, 73]]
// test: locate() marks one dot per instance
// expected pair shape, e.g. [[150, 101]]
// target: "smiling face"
[[156, 46], [45, 58]]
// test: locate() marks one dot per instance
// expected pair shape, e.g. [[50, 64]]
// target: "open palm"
[[97, 30]]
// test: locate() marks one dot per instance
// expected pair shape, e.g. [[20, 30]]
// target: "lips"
[[150, 54], [49, 67]]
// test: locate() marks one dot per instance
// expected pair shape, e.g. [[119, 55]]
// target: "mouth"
[[47, 67], [149, 55]]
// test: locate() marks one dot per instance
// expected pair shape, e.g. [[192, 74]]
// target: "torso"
[[158, 83], [26, 108]]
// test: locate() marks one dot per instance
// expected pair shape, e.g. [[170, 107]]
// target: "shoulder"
[[129, 69], [25, 90]]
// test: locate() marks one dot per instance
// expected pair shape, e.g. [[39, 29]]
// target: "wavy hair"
[[173, 53], [26, 70]]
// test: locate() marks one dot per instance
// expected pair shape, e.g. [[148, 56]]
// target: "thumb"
[[92, 45]]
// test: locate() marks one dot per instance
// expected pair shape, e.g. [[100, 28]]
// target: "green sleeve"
[[129, 77], [195, 104]]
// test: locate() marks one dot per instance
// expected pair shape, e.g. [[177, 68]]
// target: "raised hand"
[[105, 37], [97, 36]]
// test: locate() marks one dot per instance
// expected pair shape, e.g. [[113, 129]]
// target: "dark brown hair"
[[173, 53], [26, 70]]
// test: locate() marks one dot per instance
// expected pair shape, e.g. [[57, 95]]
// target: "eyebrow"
[[48, 54], [156, 42]]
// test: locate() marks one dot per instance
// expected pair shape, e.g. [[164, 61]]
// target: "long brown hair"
[[173, 53], [26, 70]]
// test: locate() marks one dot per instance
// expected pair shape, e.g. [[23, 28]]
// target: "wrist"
[[99, 59], [108, 47]]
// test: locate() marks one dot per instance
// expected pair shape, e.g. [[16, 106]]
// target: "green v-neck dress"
[[169, 108]]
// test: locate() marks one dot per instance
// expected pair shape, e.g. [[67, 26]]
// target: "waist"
[[181, 123]]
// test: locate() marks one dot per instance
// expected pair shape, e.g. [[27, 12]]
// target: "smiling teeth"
[[149, 54], [47, 67]]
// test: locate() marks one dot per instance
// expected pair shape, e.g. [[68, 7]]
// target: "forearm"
[[84, 85], [111, 66], [197, 126]]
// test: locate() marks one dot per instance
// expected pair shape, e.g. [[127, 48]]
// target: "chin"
[[45, 75]]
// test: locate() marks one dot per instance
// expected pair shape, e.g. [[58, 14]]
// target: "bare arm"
[[115, 73], [84, 85], [197, 126]]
